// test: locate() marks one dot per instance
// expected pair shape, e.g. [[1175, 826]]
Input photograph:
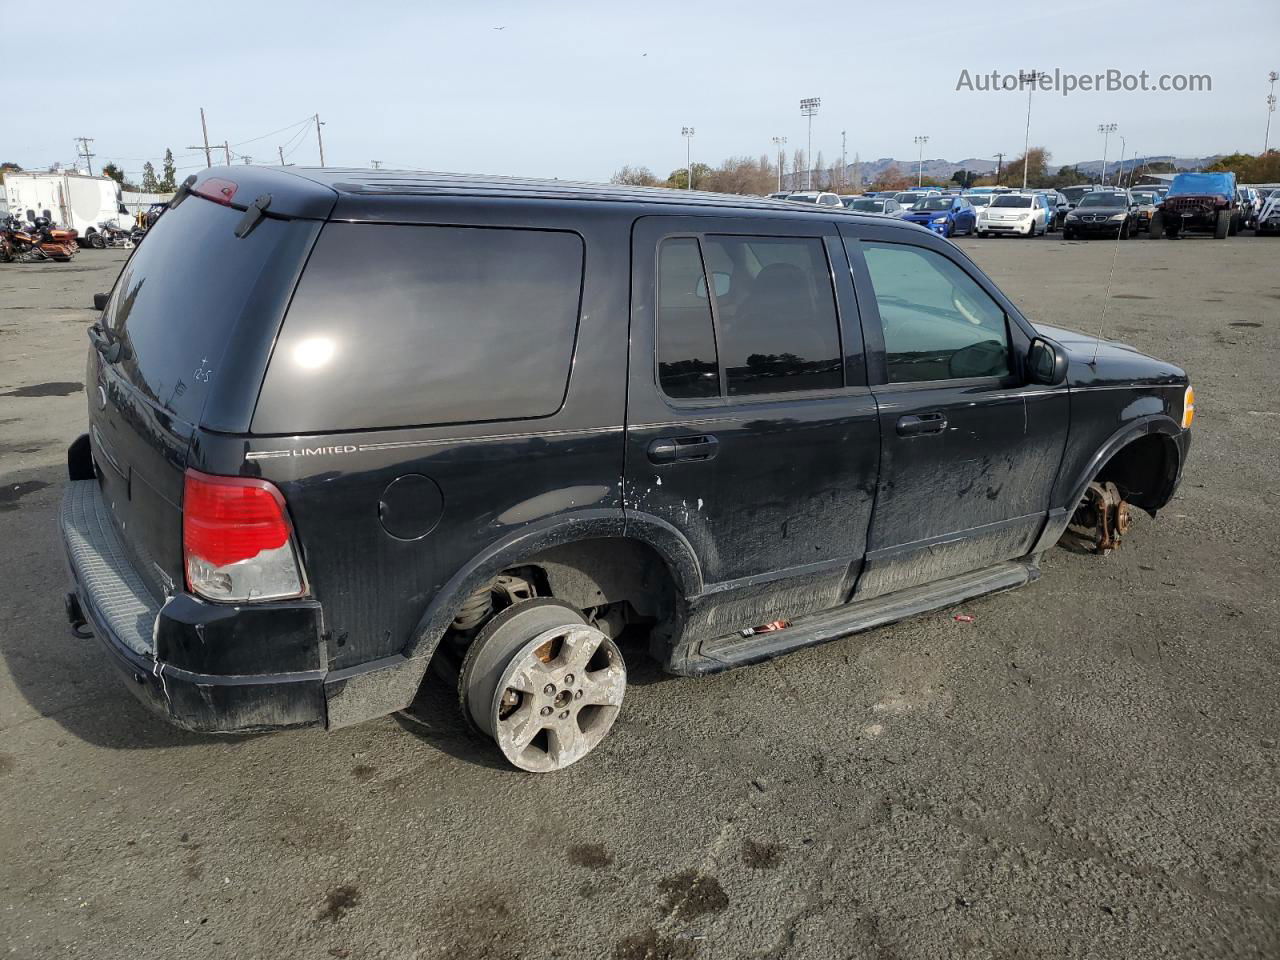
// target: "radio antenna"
[[1115, 253]]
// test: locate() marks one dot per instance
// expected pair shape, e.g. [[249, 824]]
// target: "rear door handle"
[[922, 424], [671, 449]]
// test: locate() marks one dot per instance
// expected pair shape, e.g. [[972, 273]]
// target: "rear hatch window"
[[397, 325], [190, 289]]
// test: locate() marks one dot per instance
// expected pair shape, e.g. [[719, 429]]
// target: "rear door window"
[[412, 325], [688, 366], [778, 327]]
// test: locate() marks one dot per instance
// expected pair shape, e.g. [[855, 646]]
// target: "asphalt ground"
[[1087, 769]]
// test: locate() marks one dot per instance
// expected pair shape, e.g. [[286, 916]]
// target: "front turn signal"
[[1188, 406]]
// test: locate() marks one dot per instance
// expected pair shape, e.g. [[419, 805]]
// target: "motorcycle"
[[46, 242], [110, 234]]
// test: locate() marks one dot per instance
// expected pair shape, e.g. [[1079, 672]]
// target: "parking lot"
[[1087, 769]]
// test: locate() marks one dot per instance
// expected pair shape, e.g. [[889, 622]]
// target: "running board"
[[734, 650]]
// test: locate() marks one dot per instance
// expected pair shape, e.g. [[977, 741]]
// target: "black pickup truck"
[[344, 425]]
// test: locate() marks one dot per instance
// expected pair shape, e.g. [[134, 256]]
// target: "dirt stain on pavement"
[[1244, 323], [11, 493], [337, 902], [650, 946], [691, 894], [7, 763], [56, 388], [761, 856], [593, 856], [363, 772]]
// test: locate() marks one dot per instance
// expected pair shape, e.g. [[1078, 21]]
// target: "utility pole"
[[844, 157], [319, 139], [226, 152], [999, 166], [204, 129], [1271, 108], [920, 142], [1120, 175], [1106, 129], [376, 164], [808, 107], [687, 133], [1029, 80], [84, 152], [280, 150], [779, 143]]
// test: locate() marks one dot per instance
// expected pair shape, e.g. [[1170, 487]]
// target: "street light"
[[808, 107], [920, 142], [779, 143], [687, 133], [1106, 129], [1271, 108], [1029, 80]]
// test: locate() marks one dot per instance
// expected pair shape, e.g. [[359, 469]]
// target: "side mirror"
[[100, 301], [1046, 363]]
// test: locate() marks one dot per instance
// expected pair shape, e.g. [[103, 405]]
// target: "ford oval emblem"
[[102, 397]]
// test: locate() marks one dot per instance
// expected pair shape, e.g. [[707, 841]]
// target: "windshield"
[[868, 206], [1010, 201], [1102, 200], [934, 203], [1074, 193], [907, 199], [1143, 197], [980, 200]]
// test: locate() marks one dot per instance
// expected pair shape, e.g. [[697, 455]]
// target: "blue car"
[[948, 216]]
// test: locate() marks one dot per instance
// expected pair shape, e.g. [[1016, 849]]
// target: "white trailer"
[[73, 200]]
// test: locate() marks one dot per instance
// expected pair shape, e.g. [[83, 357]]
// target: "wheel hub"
[[557, 697]]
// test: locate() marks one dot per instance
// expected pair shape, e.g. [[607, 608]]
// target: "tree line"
[[759, 176]]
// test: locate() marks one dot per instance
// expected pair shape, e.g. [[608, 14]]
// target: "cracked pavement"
[[1089, 769]]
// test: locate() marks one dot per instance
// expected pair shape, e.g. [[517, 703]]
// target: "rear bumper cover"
[[132, 624]]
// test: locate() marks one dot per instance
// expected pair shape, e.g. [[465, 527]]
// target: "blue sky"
[[576, 90]]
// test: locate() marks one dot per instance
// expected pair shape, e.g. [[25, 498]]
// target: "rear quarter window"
[[395, 326]]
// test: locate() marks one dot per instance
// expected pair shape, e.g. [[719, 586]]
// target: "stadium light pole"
[[1106, 129], [808, 107], [920, 142], [687, 133], [1029, 80], [1273, 76], [779, 143]]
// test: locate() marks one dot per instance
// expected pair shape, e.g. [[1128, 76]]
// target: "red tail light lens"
[[237, 539]]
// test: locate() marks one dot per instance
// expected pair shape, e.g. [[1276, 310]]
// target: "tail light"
[[237, 542]]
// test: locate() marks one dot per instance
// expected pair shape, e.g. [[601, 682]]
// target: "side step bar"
[[734, 650]]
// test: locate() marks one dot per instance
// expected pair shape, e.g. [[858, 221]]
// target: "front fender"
[[1078, 482]]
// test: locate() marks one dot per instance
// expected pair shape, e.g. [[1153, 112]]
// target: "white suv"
[[820, 197]]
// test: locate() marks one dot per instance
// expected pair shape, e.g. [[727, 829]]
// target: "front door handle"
[[922, 424], [671, 449]]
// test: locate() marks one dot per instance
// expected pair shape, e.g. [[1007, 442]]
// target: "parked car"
[[943, 215], [1102, 213], [908, 197], [822, 198], [978, 200], [1202, 203], [884, 205], [780, 195], [318, 461], [1019, 214], [1269, 217], [1250, 206], [1148, 202], [1073, 194], [1058, 208]]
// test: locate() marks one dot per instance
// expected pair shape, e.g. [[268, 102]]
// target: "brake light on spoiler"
[[237, 541], [217, 189]]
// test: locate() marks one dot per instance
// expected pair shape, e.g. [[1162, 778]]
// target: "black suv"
[[344, 425]]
